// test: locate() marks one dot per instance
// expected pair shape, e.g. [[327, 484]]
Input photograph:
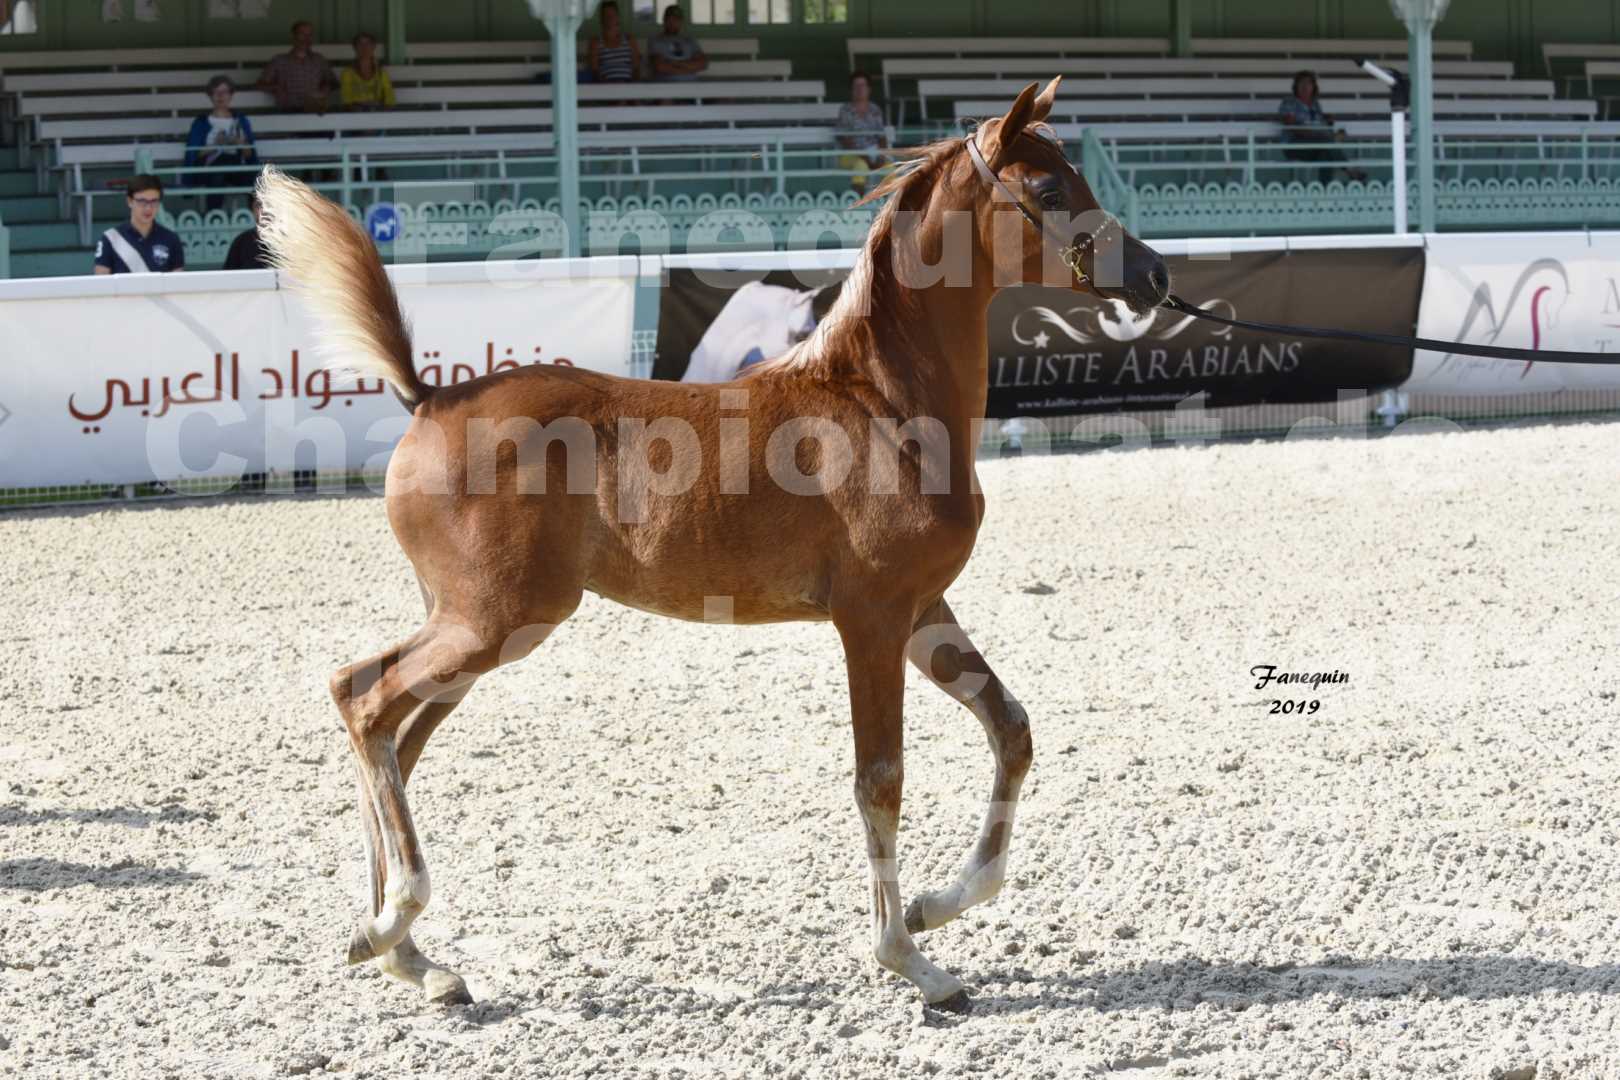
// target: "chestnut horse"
[[843, 489]]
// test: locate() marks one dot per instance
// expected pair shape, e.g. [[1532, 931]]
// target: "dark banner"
[[1054, 351]]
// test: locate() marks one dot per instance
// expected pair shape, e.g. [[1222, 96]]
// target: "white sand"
[[646, 859]]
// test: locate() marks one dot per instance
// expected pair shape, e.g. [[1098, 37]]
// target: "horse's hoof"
[[360, 949], [914, 917], [455, 994], [958, 1003]]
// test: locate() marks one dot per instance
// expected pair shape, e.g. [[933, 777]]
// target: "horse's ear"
[[1017, 118], [1044, 103]]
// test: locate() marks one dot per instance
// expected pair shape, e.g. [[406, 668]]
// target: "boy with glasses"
[[140, 245]]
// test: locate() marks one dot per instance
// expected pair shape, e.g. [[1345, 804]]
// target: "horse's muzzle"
[[1146, 282]]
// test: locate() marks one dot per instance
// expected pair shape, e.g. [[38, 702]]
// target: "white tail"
[[336, 270]]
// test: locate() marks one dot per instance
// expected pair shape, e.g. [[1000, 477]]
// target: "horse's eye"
[[1052, 199]]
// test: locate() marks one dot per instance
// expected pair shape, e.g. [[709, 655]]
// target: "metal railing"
[[1107, 184], [770, 167], [1229, 186], [1255, 185]]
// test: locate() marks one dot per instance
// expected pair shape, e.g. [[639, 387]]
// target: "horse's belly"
[[691, 598], [707, 568]]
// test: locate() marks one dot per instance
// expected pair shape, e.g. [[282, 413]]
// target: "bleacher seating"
[[1375, 48], [253, 56], [1598, 72], [1501, 93], [82, 130], [480, 112], [402, 75], [1552, 52], [1001, 46], [908, 72]]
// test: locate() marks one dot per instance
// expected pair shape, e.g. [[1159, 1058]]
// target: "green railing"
[[1251, 186], [770, 195], [1106, 182], [765, 195], [5, 252]]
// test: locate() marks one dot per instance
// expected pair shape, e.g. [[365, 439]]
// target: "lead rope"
[[1495, 352]]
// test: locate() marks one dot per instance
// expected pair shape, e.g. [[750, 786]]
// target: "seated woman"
[[862, 120], [1304, 122], [220, 138], [364, 84]]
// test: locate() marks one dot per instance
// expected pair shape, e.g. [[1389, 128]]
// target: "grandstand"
[[1180, 131]]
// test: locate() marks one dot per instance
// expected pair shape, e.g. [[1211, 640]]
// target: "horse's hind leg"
[[875, 657], [434, 667], [941, 651], [405, 961]]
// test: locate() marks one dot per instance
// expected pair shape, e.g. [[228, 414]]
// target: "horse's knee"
[[877, 790], [878, 799], [1014, 748]]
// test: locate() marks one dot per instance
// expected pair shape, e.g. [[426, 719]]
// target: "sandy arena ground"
[[645, 855]]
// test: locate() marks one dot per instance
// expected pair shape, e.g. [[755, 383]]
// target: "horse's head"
[[1064, 236]]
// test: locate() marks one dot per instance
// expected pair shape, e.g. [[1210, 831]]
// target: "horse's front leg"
[[875, 655], [941, 651]]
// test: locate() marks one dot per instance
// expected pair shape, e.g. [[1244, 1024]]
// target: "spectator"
[[861, 128], [675, 57], [247, 250], [299, 79], [613, 56], [365, 83], [1302, 117], [218, 138], [140, 245]]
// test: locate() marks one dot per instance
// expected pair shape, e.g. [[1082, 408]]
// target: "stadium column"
[[395, 45], [563, 18], [1421, 16], [1181, 27]]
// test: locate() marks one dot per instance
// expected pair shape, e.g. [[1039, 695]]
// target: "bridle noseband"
[[1069, 252]]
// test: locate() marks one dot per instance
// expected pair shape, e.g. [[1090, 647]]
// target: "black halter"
[[1069, 252]]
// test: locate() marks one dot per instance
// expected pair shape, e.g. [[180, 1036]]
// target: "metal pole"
[[395, 45], [565, 120], [563, 18], [1397, 144], [1420, 58], [1181, 27]]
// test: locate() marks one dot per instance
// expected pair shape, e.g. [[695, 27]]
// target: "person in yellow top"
[[364, 84]]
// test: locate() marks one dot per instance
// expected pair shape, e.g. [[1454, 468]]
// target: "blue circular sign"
[[382, 222]]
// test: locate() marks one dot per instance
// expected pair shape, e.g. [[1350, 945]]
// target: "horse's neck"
[[931, 342]]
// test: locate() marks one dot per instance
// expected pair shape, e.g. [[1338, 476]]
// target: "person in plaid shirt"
[[1304, 122], [299, 79]]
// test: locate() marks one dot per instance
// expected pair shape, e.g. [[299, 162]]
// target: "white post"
[[1397, 144]]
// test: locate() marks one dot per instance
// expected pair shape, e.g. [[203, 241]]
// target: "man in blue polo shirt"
[[141, 245]]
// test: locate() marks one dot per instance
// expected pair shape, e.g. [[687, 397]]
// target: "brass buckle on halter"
[[1071, 258]]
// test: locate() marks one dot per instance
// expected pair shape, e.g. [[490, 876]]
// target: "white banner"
[[134, 378], [1530, 290]]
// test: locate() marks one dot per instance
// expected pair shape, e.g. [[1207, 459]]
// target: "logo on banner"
[[1123, 352], [1112, 320], [382, 222], [1544, 288]]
